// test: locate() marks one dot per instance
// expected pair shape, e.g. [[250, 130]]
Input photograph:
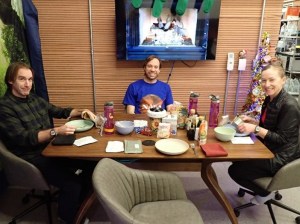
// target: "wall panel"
[[65, 38]]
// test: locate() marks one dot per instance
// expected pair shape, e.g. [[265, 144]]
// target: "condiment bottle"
[[214, 111], [109, 125], [203, 132]]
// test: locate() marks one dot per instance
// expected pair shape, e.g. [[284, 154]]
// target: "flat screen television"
[[192, 36]]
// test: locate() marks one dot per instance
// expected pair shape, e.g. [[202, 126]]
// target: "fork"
[[193, 148]]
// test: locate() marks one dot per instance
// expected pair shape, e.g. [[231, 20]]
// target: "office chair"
[[22, 174], [287, 177], [139, 196]]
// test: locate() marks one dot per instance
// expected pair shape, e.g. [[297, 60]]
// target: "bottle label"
[[109, 130], [203, 132]]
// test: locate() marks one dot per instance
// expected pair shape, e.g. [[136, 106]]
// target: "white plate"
[[237, 134], [171, 146], [81, 125]]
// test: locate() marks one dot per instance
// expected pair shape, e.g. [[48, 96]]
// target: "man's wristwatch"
[[257, 129], [53, 133]]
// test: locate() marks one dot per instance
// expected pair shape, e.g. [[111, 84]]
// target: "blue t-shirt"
[[143, 95]]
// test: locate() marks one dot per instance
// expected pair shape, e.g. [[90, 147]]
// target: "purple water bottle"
[[109, 125], [193, 103], [214, 111]]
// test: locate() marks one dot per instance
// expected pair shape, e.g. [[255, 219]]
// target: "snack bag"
[[163, 130]]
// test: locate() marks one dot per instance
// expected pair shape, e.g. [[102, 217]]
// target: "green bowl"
[[224, 134]]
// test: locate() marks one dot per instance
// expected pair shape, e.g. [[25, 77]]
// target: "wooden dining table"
[[153, 159]]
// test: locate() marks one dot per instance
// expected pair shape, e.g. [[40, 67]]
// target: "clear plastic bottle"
[[109, 125], [214, 111]]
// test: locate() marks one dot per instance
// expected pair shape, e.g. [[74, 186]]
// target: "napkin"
[[242, 140], [133, 146], [213, 150], [84, 141], [114, 146]]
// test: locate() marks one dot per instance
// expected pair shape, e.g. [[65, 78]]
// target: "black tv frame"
[[128, 48]]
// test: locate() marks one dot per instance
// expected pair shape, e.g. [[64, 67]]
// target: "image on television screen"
[[191, 36]]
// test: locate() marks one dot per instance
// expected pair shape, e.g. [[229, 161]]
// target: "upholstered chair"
[[139, 196]]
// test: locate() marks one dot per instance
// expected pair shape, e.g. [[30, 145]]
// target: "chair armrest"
[[287, 177]]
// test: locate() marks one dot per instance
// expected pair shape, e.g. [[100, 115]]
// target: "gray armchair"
[[287, 177], [22, 174], [138, 196]]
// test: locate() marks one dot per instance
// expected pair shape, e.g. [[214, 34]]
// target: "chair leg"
[[268, 203], [47, 199], [28, 210], [279, 204], [284, 206], [237, 209]]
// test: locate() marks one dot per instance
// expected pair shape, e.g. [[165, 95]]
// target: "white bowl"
[[224, 134], [159, 114], [124, 127]]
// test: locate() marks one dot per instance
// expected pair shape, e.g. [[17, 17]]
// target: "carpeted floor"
[[210, 209]]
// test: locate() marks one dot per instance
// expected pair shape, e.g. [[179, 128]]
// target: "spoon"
[[193, 148]]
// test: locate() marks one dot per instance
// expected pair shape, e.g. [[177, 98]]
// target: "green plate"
[[81, 125]]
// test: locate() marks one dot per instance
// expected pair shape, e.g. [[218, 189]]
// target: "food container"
[[172, 119], [155, 117]]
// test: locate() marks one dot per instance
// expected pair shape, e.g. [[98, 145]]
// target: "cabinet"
[[288, 47]]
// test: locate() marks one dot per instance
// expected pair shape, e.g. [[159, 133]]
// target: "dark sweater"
[[22, 118]]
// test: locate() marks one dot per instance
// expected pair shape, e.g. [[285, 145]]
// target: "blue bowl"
[[124, 127]]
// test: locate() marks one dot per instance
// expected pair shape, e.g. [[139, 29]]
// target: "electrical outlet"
[[242, 64], [230, 61]]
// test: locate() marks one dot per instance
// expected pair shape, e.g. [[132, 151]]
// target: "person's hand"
[[248, 119], [65, 130], [246, 127]]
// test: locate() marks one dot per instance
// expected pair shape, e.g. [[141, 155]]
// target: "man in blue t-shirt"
[[148, 92]]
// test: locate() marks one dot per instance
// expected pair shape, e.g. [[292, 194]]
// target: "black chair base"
[[46, 198], [269, 203]]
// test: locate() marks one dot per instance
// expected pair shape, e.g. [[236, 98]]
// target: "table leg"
[[85, 206], [209, 177]]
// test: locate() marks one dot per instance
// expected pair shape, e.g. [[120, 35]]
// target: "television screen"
[[190, 36]]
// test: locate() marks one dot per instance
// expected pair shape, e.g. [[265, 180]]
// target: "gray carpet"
[[208, 206]]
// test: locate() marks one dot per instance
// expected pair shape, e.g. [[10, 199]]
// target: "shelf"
[[288, 20], [291, 37], [293, 72], [287, 53], [294, 93]]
